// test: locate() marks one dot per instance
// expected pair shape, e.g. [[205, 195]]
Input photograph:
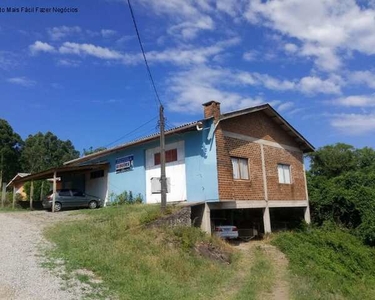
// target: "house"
[[18, 186], [246, 167]]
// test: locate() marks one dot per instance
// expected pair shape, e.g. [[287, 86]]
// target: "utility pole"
[[163, 178]]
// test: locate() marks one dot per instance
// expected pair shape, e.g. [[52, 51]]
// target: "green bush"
[[329, 263], [125, 197]]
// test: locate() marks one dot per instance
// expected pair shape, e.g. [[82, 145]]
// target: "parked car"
[[226, 231], [68, 198]]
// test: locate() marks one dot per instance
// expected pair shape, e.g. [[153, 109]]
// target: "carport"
[[64, 172], [259, 217]]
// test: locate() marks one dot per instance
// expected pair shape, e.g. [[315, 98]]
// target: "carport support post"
[[267, 220], [31, 194], [206, 219], [54, 191], [3, 194], [14, 196]]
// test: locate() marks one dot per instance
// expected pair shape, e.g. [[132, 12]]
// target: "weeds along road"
[[21, 243]]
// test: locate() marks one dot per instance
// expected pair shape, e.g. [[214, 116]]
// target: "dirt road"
[[21, 273]]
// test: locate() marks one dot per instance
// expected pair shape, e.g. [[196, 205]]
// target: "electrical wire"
[[130, 132], [144, 55]]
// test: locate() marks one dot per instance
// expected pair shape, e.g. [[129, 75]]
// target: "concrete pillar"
[[206, 219], [267, 220], [307, 214]]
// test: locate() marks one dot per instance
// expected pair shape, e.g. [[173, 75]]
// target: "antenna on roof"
[[163, 178]]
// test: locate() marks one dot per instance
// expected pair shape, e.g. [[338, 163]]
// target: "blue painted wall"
[[200, 164]]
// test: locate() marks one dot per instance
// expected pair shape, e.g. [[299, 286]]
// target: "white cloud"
[[363, 77], [356, 101], [315, 85], [324, 27], [189, 29], [68, 62], [189, 89], [191, 55], [23, 81], [89, 49], [188, 16], [290, 48], [285, 106], [354, 124], [183, 55], [39, 46], [57, 33], [250, 55], [107, 33], [8, 60]]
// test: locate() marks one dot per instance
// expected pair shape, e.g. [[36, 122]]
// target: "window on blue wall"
[[240, 168], [170, 156]]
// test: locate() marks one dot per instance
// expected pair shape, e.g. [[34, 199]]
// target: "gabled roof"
[[181, 128], [276, 117], [19, 175], [303, 143]]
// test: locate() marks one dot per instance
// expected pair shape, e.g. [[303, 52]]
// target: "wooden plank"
[[54, 191]]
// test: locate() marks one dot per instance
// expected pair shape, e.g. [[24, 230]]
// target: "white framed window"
[[240, 168], [284, 173]]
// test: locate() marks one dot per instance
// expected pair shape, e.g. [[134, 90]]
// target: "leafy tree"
[[10, 149], [341, 184], [91, 150], [41, 188], [43, 151]]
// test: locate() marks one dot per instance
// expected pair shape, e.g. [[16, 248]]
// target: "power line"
[[144, 55], [130, 132]]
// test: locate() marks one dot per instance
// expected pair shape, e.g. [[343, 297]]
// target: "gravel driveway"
[[21, 274]]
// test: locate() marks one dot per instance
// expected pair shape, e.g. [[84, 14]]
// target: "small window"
[[170, 156], [97, 174], [284, 173], [240, 168], [64, 193]]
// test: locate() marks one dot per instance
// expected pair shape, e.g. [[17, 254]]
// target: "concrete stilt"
[[206, 219], [267, 220], [307, 215]]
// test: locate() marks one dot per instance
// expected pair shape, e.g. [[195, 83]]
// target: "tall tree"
[[341, 184], [91, 150], [43, 151], [10, 149]]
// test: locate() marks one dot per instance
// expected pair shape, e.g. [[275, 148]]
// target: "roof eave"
[[134, 143]]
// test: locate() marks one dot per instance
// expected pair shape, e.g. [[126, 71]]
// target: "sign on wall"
[[124, 163]]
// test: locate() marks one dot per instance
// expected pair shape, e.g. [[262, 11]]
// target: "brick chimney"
[[211, 109]]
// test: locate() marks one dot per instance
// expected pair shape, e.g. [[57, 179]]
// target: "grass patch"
[[138, 262], [328, 264]]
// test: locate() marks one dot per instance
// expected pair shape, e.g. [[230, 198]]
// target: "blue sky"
[[81, 75]]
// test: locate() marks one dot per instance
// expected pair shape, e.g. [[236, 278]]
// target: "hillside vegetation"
[[341, 183], [328, 263], [136, 261]]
